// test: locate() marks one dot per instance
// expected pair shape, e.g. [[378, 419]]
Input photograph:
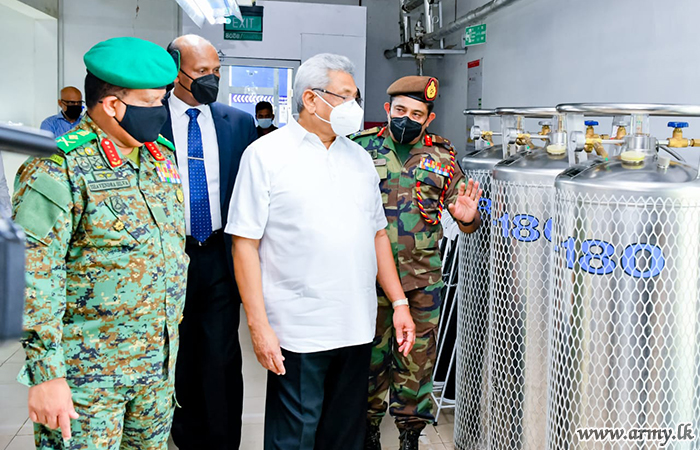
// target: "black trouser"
[[208, 377], [320, 403]]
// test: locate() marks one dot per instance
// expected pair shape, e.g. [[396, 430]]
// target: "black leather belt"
[[214, 237]]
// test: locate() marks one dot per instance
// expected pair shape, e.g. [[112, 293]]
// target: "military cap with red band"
[[424, 89]]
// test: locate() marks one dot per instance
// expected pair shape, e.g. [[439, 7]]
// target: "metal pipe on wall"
[[410, 5], [471, 17]]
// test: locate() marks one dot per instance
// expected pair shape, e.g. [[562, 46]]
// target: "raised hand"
[[466, 206]]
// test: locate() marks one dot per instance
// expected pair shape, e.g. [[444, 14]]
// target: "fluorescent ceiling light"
[[212, 11]]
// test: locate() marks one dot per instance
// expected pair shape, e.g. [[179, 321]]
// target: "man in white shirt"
[[309, 244], [209, 140]]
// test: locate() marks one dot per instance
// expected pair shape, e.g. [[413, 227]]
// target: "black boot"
[[408, 439], [372, 436]]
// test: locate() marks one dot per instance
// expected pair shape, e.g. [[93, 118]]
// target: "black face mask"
[[405, 130], [143, 123], [72, 112], [204, 89]]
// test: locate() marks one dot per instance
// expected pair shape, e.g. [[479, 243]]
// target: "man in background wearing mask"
[[209, 140], [265, 118], [71, 104], [309, 246], [106, 262], [418, 177]]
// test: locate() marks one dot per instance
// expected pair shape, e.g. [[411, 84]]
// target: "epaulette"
[[71, 141], [167, 143], [366, 132], [441, 141]]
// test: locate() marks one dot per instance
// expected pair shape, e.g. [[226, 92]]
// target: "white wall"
[[544, 52], [382, 33], [87, 22], [295, 31], [29, 75]]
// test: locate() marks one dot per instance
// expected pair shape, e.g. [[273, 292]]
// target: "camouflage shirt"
[[106, 264], [414, 242]]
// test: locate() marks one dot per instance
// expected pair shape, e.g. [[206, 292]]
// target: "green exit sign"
[[475, 35], [248, 29]]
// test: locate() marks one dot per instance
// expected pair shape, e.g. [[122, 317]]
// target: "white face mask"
[[265, 123], [346, 118]]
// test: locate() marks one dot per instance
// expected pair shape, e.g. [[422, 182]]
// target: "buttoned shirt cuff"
[[40, 370]]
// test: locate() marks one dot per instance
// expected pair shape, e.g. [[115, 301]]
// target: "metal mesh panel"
[[472, 329], [625, 323], [518, 316]]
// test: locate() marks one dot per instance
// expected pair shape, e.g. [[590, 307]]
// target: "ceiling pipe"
[[472, 17], [410, 5]]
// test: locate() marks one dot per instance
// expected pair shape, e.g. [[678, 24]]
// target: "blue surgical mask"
[[265, 123]]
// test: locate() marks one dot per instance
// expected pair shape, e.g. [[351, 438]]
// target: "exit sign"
[[248, 29], [475, 35]]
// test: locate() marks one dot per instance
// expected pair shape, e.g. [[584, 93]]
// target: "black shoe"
[[372, 441], [408, 439]]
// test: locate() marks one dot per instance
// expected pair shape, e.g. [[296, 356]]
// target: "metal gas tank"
[[625, 340], [522, 197], [472, 330]]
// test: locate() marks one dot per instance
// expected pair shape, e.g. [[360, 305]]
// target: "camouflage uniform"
[[414, 243], [106, 271]]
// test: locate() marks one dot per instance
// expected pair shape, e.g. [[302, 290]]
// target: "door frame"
[[227, 61]]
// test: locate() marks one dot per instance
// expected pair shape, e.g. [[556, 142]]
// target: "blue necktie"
[[200, 214]]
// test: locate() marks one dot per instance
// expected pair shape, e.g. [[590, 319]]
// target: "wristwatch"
[[466, 224], [401, 302]]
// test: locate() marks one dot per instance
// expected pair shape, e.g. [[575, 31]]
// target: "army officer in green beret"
[[106, 264]]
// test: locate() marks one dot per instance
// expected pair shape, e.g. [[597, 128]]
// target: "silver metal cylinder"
[[624, 333], [473, 289], [522, 199]]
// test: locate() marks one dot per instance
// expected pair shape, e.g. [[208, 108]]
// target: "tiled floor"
[[16, 428]]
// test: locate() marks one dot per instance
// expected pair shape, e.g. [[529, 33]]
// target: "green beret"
[[131, 63]]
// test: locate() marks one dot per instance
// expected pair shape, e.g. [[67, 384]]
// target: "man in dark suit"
[[209, 139]]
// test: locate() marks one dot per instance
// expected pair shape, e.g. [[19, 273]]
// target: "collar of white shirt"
[[299, 134], [179, 108]]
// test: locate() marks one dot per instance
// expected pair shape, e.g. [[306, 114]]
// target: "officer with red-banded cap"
[[419, 178], [106, 264]]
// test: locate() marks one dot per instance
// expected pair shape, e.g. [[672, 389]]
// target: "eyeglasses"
[[357, 97], [73, 103]]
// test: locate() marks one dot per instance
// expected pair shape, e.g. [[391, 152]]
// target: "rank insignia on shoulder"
[[366, 132], [72, 140], [155, 151], [111, 153], [441, 141]]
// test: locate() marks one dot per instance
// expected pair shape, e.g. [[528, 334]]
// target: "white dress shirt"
[[180, 122], [316, 212]]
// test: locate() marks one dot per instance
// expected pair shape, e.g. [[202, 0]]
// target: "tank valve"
[[546, 127], [663, 162], [591, 136], [476, 133], [621, 129], [677, 140]]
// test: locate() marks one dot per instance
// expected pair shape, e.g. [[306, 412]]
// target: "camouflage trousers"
[[407, 380], [133, 417]]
